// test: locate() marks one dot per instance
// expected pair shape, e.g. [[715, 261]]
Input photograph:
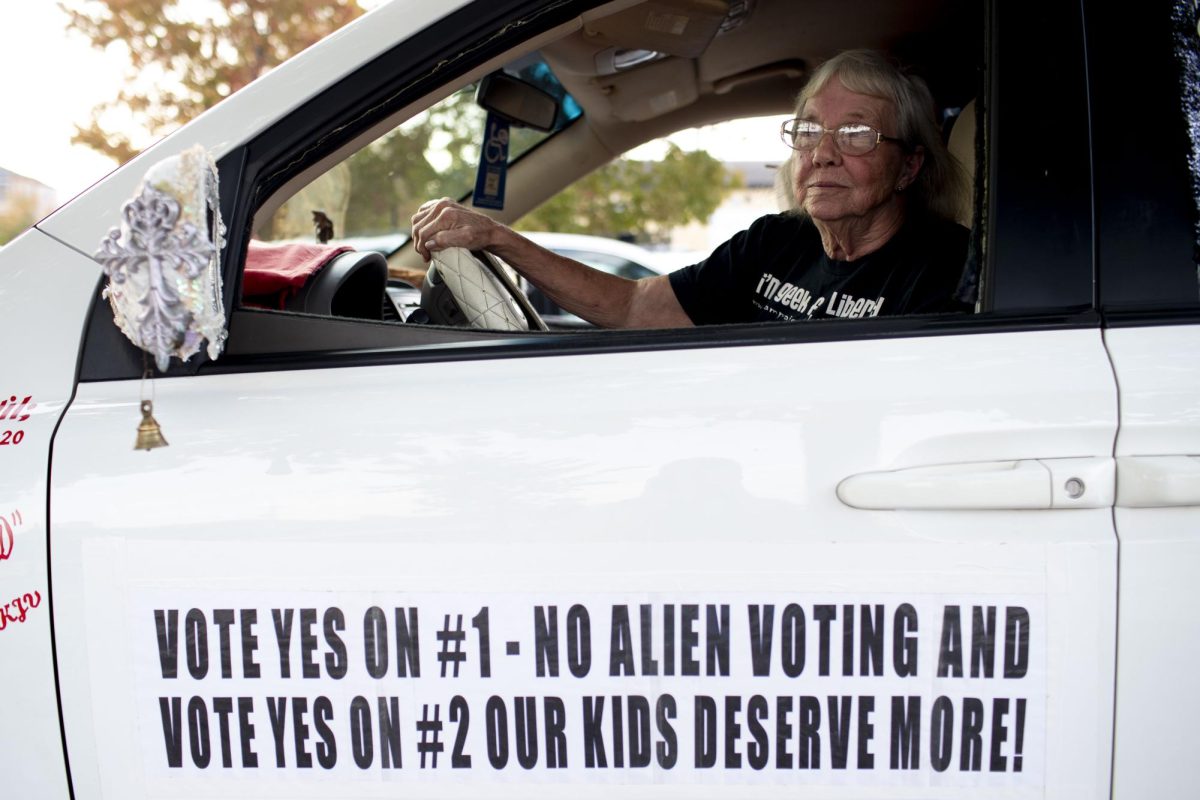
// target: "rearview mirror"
[[519, 102]]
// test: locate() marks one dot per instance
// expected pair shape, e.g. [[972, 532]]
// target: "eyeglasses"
[[851, 139]]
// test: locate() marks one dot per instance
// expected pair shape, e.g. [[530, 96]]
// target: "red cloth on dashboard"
[[276, 272]]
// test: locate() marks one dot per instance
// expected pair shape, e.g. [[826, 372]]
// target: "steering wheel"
[[472, 289]]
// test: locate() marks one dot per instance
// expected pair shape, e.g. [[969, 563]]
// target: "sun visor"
[[675, 27], [652, 90]]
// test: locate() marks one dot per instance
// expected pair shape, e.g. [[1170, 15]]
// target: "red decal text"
[[18, 608]]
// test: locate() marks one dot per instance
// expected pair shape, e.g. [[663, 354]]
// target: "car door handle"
[[1158, 481], [990, 485]]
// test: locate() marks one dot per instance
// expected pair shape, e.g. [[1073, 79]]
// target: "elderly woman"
[[870, 232]]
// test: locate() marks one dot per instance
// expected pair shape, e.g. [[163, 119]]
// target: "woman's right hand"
[[439, 224]]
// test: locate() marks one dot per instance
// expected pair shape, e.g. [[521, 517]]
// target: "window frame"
[[1146, 227], [1016, 170]]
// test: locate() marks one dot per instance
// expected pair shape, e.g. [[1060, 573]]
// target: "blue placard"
[[493, 164]]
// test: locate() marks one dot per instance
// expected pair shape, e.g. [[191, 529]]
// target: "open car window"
[[366, 200]]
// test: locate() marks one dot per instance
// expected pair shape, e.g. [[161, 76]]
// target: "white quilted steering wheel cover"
[[482, 298]]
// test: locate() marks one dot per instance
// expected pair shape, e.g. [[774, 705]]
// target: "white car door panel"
[[511, 499], [1158, 520], [43, 348], [1159, 481]]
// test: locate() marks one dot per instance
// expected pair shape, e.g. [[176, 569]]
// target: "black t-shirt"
[[778, 270]]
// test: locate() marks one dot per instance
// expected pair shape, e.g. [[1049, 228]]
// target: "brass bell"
[[149, 435]]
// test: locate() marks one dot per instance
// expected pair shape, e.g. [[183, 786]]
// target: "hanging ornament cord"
[[149, 434]]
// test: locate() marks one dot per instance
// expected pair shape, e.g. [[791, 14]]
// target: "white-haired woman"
[[870, 234]]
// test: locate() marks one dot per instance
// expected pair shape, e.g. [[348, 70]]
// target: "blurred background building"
[[19, 192]]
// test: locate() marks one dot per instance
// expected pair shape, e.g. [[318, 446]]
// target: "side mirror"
[[519, 102]]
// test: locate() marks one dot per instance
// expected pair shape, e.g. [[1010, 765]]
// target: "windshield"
[[368, 200]]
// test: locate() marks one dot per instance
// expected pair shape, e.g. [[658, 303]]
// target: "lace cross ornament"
[[163, 261]]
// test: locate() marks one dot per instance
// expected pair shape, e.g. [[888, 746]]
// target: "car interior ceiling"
[[754, 67]]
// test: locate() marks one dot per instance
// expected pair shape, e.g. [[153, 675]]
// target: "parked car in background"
[[608, 255]]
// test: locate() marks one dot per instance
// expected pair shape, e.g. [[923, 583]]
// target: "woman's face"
[[831, 186]]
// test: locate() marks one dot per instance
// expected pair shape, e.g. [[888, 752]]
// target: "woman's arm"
[[606, 300]]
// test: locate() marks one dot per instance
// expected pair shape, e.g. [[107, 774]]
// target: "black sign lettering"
[[496, 716], [171, 710], [579, 641], [248, 618], [839, 730], [336, 660], [971, 740], [824, 615], [299, 726], [1016, 642], [866, 732], [556, 732], [408, 644], [308, 644], [201, 747], [809, 754], [545, 640], [941, 734], [689, 640], [620, 651], [283, 636], [362, 742], [871, 641], [950, 655], [327, 746], [649, 664], [223, 619], [706, 732], [388, 709], [906, 733], [277, 711], [166, 627], [904, 641], [733, 731], [593, 733], [246, 732], [667, 750], [983, 641], [375, 642], [758, 751], [223, 707], [196, 644], [638, 717], [761, 632]]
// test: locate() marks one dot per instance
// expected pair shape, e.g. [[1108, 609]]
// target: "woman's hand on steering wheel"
[[443, 223]]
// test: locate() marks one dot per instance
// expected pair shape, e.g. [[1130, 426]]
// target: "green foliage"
[[393, 175], [193, 63], [187, 55], [642, 199]]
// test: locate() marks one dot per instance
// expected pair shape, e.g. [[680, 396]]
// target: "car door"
[[1152, 304], [863, 558]]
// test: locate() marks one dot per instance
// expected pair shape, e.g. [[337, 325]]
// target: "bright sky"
[[53, 79]]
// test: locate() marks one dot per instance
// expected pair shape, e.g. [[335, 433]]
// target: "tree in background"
[[187, 55], [393, 175], [193, 63], [638, 199]]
